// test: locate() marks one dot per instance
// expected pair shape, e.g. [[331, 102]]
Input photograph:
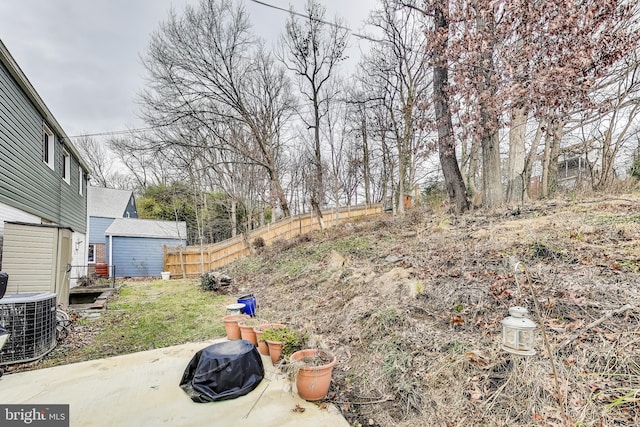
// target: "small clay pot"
[[275, 350], [263, 348], [231, 325], [247, 329]]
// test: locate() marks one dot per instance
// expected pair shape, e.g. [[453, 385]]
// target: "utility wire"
[[333, 24], [117, 132]]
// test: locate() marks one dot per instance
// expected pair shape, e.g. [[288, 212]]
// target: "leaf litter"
[[412, 310]]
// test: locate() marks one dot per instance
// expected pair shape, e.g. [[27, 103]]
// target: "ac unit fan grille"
[[31, 321]]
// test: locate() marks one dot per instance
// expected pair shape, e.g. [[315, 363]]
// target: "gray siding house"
[[104, 205], [43, 179], [135, 246]]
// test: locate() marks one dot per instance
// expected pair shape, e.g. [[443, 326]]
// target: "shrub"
[[293, 339], [258, 243]]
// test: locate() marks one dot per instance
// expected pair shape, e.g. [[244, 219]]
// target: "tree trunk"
[[366, 167], [282, 198], [546, 162], [473, 168], [556, 138], [446, 147], [234, 218], [491, 168], [318, 187], [516, 185], [402, 173], [550, 162], [531, 156]]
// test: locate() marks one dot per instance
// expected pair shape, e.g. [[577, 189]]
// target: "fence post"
[[164, 257], [184, 273]]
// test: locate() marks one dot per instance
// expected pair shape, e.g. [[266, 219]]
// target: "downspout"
[[110, 255]]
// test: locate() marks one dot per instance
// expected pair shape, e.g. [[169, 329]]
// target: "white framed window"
[[66, 167], [80, 181], [48, 145]]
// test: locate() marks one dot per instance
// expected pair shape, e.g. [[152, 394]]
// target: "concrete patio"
[[141, 389]]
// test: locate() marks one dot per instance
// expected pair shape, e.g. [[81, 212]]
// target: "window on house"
[[48, 143], [80, 181], [91, 253], [66, 167]]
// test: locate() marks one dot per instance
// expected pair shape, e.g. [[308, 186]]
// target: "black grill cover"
[[223, 371]]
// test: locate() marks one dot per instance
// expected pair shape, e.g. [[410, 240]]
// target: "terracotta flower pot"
[[263, 348], [231, 325], [314, 374], [246, 329], [275, 350]]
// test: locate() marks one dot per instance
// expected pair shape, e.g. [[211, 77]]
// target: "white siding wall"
[[9, 213], [78, 257]]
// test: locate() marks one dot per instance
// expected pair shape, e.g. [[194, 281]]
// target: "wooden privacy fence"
[[195, 260]]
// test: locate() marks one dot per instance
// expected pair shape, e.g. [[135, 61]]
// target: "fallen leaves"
[[500, 288], [456, 320], [477, 358]]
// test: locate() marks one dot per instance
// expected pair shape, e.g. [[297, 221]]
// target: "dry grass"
[[412, 309]]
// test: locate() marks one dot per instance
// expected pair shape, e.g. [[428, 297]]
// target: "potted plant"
[[231, 325], [263, 348], [313, 369], [246, 329], [283, 341]]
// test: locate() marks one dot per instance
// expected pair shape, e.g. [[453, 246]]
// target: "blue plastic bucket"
[[249, 302]]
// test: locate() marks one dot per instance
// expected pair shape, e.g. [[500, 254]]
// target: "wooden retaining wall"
[[194, 260]]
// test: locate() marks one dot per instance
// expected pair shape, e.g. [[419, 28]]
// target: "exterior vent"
[[30, 319]]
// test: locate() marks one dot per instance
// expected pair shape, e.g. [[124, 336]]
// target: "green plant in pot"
[[246, 329], [263, 348], [283, 341]]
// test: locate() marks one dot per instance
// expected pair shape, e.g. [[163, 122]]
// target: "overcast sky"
[[82, 56]]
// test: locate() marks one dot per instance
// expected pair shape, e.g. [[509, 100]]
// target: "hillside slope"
[[412, 308]]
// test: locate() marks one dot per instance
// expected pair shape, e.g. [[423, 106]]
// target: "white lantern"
[[518, 332]]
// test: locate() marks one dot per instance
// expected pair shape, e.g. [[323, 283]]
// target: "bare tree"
[[613, 126], [146, 166], [358, 117], [312, 49], [205, 66], [397, 76], [99, 158]]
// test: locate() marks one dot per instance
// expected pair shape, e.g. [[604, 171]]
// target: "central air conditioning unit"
[[30, 320]]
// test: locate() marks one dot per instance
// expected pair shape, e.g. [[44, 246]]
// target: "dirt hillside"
[[412, 308]]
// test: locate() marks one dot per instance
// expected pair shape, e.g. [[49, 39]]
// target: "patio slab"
[[141, 389]]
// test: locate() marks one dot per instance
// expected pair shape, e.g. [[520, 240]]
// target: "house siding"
[[26, 182], [97, 227], [139, 256]]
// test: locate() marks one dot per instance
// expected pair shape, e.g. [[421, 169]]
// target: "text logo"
[[34, 415]]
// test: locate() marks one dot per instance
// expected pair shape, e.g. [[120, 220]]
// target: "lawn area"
[[144, 315]]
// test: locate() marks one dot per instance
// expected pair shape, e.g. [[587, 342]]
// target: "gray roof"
[[135, 227], [107, 202]]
